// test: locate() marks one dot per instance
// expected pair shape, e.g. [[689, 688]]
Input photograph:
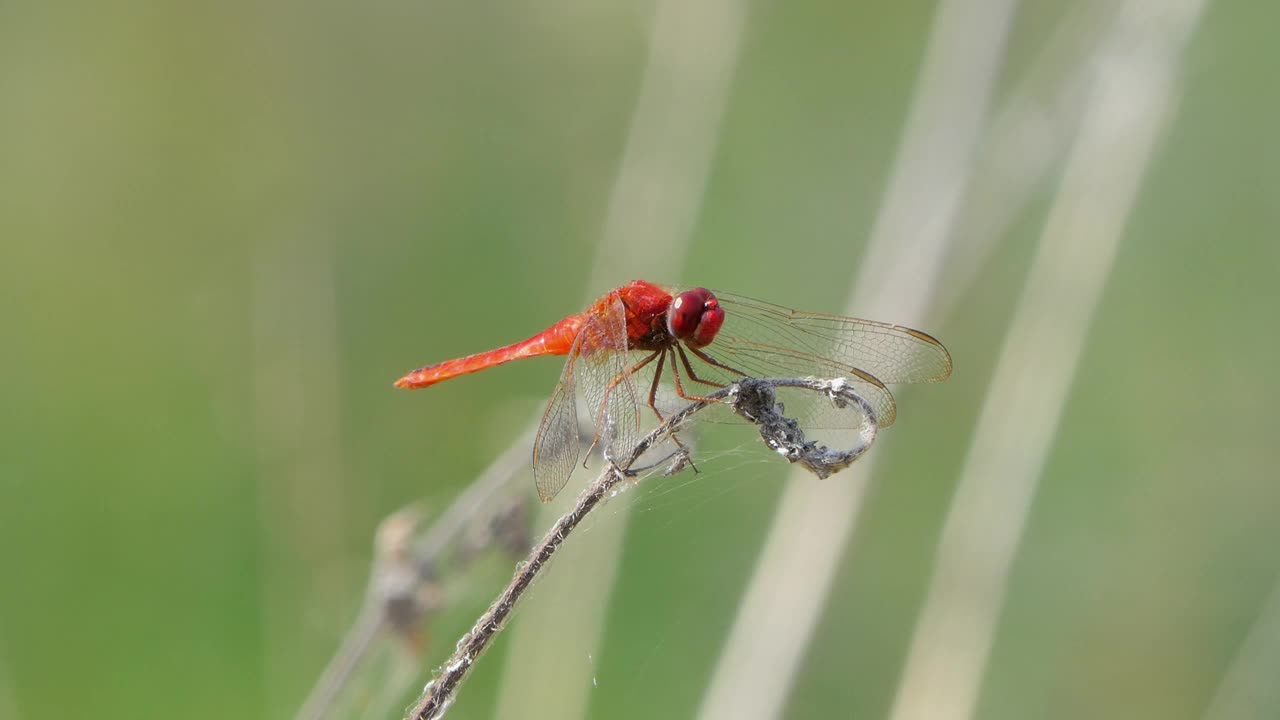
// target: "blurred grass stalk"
[[904, 258], [394, 611], [1023, 144], [1133, 95], [296, 411], [655, 201], [1249, 688]]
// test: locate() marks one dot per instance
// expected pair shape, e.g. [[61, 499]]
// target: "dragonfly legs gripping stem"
[[688, 367], [604, 400], [674, 350]]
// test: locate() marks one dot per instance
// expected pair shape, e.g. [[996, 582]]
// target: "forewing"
[[760, 339], [891, 353]]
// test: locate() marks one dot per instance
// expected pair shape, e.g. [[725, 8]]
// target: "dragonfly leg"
[[653, 392], [675, 375], [653, 387], [604, 400], [688, 367], [653, 396], [712, 361]]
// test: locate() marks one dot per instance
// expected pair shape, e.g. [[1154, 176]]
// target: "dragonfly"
[[704, 340]]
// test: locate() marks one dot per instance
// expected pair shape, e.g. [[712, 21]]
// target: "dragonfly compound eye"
[[695, 316]]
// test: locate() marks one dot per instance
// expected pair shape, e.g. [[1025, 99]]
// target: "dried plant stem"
[[351, 652], [752, 399], [441, 691], [1131, 99], [404, 572]]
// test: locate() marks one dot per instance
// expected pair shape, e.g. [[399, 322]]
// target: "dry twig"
[[752, 399]]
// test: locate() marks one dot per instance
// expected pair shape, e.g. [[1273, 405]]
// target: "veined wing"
[[597, 367], [765, 340], [555, 448], [729, 357], [891, 353]]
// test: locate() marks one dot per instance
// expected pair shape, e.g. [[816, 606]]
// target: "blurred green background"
[[225, 228]]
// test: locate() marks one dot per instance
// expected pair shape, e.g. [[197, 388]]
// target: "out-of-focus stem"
[[1133, 93], [402, 573]]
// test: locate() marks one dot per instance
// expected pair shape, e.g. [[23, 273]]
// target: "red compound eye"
[[695, 316]]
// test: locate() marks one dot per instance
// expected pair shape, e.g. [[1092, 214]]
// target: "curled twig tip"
[[756, 401]]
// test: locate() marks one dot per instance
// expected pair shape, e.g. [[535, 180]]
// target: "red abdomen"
[[555, 340]]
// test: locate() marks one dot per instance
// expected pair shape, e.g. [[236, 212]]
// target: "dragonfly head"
[[695, 316]]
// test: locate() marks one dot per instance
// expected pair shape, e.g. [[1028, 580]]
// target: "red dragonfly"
[[708, 340]]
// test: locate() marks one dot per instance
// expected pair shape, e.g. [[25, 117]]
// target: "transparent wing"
[[891, 353], [597, 367], [765, 340], [555, 449], [729, 358]]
